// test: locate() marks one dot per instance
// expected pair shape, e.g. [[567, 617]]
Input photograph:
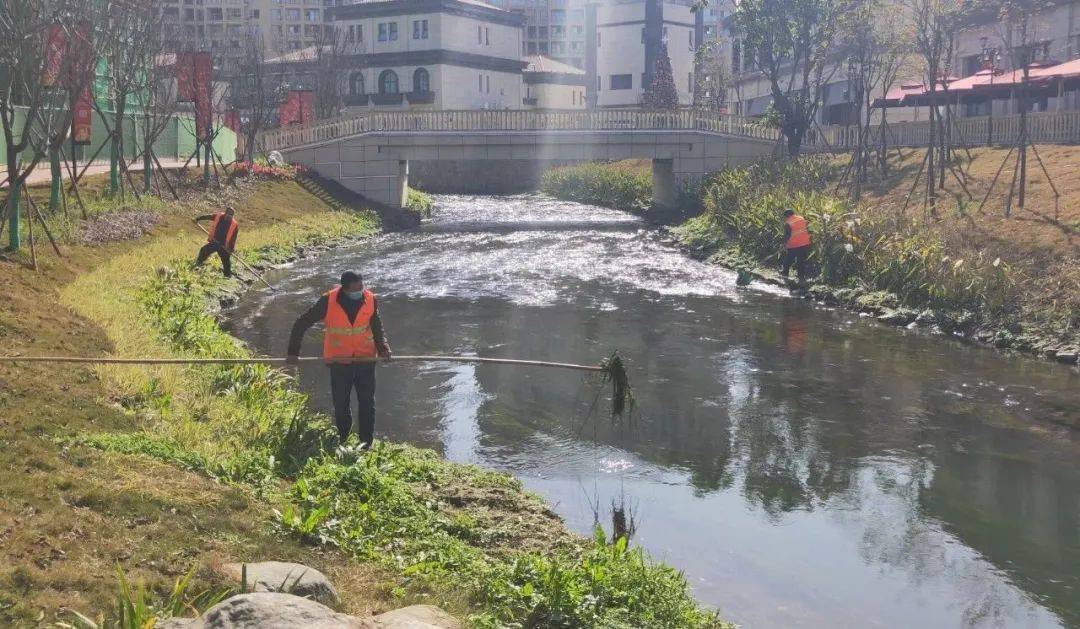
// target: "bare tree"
[[793, 43], [256, 92], [935, 25], [34, 111], [713, 78], [155, 99]]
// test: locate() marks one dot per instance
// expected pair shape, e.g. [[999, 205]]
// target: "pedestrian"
[[353, 339], [221, 239], [796, 243]]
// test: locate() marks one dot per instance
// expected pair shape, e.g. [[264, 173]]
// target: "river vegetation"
[[396, 524], [625, 186], [902, 266]]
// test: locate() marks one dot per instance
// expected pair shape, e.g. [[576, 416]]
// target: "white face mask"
[[354, 295]]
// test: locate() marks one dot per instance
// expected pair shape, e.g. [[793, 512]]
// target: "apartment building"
[[553, 28], [437, 54], [226, 27], [626, 41]]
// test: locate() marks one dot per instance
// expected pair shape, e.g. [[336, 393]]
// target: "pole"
[[56, 184], [304, 359], [245, 264]]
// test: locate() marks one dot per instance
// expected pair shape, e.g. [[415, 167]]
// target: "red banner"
[[79, 70], [55, 50], [298, 108], [81, 110], [203, 75], [185, 77]]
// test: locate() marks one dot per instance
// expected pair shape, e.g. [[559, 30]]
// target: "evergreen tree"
[[661, 94]]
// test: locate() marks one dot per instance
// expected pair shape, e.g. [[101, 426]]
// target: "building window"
[[479, 34], [277, 15], [419, 29], [388, 31], [388, 83], [532, 32], [487, 36], [351, 35], [480, 85], [292, 14], [622, 81], [421, 81], [487, 84], [312, 15], [356, 84]]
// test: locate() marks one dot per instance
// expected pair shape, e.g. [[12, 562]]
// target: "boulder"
[[280, 576], [267, 610], [416, 617]]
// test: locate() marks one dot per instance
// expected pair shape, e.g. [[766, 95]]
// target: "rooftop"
[[540, 63]]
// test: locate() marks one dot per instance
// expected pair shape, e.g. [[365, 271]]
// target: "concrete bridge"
[[370, 155]]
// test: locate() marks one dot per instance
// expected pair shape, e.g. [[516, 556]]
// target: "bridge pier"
[[664, 185], [399, 187]]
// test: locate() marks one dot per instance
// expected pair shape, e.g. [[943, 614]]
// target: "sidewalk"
[[41, 172]]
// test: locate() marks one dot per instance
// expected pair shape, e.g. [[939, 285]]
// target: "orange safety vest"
[[348, 339], [230, 237], [800, 236]]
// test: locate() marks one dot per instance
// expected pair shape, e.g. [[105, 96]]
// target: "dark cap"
[[348, 277], [788, 211]]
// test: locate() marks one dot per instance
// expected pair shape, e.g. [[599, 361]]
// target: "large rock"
[[290, 578], [268, 610], [417, 617]]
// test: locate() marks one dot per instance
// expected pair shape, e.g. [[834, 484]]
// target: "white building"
[[627, 41], [437, 54], [551, 84]]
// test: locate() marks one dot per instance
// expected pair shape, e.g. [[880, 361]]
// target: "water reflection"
[[805, 467]]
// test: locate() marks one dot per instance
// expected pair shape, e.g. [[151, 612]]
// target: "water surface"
[[806, 467]]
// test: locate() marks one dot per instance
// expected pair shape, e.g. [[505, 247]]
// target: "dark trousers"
[[343, 380], [223, 253], [796, 256]]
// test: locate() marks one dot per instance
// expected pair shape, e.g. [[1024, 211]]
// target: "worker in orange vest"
[[353, 339], [222, 238], [796, 243]]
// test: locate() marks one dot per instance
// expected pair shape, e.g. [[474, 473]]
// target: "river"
[[804, 466]]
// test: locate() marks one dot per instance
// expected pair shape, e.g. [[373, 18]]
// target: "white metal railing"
[[1059, 127], [1048, 127], [512, 120]]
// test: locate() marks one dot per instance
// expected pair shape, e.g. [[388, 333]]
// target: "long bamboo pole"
[[108, 360]]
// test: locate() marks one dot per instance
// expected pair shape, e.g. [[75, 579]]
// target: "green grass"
[[420, 202], [474, 538], [621, 185]]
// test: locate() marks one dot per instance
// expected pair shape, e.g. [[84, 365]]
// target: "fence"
[[177, 140], [512, 120], [1050, 127], [1061, 127]]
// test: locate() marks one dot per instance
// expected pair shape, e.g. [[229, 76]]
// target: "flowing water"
[[804, 466]]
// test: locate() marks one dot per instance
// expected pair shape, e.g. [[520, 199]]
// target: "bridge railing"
[[508, 120]]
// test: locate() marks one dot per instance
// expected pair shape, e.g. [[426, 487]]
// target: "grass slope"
[[232, 457]]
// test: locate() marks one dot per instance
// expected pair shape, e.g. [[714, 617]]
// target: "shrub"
[[420, 202], [620, 186], [259, 170], [742, 209]]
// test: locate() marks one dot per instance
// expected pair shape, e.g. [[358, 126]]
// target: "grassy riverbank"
[[1006, 281], [146, 460]]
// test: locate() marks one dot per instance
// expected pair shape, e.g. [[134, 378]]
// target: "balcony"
[[356, 100], [421, 98], [388, 99]]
